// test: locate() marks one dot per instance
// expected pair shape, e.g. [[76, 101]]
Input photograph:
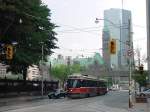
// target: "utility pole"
[[120, 52], [42, 71], [148, 37], [139, 57], [121, 25], [130, 65]]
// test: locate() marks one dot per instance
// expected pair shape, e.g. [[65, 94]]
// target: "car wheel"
[[49, 97], [52, 96], [57, 96]]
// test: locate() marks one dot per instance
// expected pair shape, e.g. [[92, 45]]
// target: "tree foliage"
[[62, 71], [140, 78], [28, 23]]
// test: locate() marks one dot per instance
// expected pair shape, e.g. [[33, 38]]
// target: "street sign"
[[130, 52]]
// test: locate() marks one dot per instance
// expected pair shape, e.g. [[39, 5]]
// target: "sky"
[[78, 34]]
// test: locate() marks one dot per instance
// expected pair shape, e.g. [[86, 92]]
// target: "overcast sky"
[[78, 33]]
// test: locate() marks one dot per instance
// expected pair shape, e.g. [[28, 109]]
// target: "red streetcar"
[[80, 86]]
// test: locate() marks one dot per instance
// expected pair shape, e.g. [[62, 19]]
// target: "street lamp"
[[14, 43], [20, 21], [98, 19]]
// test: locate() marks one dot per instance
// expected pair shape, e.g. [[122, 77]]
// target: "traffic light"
[[141, 69], [9, 52], [112, 46]]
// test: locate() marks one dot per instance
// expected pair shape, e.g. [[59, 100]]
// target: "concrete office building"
[[116, 26]]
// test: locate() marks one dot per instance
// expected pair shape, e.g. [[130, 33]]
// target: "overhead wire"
[[78, 29], [89, 29], [86, 29]]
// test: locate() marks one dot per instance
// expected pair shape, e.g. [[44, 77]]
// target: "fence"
[[8, 86]]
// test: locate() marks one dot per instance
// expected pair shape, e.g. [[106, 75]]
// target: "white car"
[[145, 93]]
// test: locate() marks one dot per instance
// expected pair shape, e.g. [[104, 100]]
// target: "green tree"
[[140, 78], [62, 71], [28, 23], [76, 68]]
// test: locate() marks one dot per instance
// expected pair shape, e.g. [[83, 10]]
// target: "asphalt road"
[[112, 102]]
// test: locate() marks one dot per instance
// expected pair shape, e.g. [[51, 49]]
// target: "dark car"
[[57, 94]]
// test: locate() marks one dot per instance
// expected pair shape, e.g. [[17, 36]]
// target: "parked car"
[[145, 93], [57, 94], [113, 89]]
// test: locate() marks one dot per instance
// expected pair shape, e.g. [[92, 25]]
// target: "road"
[[111, 102]]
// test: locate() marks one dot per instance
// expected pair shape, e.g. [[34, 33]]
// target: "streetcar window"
[[103, 84], [84, 83], [91, 83], [98, 84], [72, 83], [75, 83]]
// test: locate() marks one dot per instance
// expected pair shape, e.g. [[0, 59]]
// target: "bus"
[[81, 86]]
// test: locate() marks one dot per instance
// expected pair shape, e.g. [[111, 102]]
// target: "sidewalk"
[[19, 99], [140, 107]]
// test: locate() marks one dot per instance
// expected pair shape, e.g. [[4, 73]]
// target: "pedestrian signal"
[[9, 52], [112, 46]]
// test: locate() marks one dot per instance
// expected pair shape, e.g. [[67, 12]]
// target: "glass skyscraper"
[[116, 26]]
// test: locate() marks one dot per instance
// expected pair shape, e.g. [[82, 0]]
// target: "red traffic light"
[[112, 46]]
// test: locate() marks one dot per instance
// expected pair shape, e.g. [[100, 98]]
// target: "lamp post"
[[41, 66], [98, 19]]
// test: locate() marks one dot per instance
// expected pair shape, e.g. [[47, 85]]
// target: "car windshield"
[[58, 91]]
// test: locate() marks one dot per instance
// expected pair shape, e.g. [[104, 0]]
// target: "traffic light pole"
[[130, 87], [130, 66]]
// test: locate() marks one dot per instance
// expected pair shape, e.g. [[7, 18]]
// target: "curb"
[[38, 98]]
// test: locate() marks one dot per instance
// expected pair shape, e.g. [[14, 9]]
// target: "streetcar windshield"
[[73, 83]]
